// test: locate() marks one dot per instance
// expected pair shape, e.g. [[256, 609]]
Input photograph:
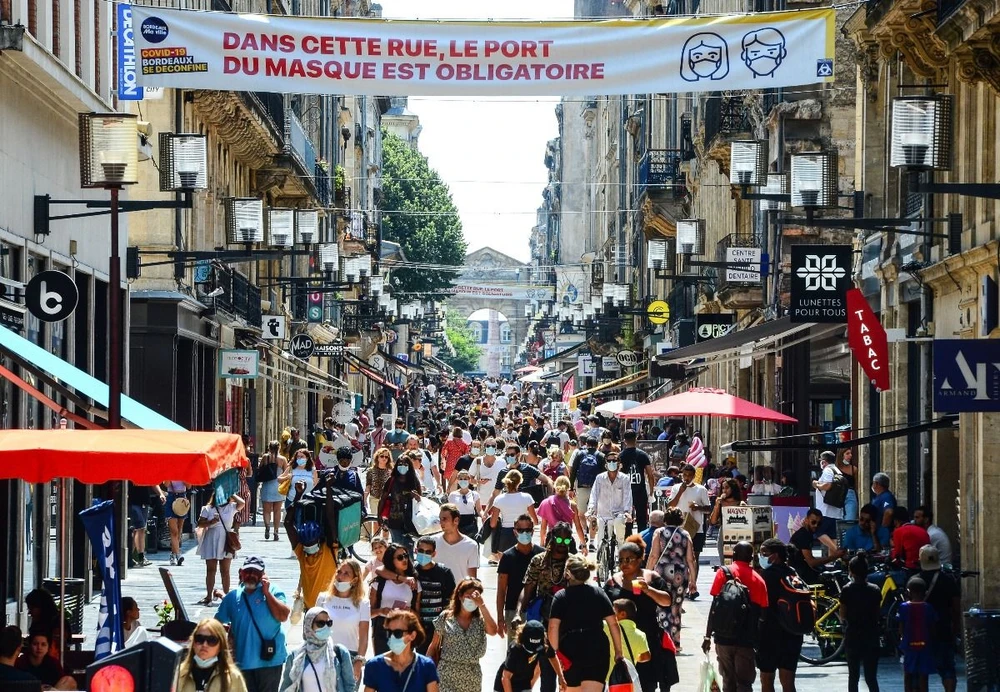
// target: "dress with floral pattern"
[[461, 651], [670, 549]]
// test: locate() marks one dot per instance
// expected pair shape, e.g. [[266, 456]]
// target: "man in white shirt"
[[502, 401], [456, 551], [827, 462], [486, 469], [692, 499], [923, 517], [611, 499], [507, 388]]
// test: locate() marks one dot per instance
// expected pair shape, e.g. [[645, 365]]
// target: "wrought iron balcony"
[[660, 174], [270, 108], [299, 142], [725, 116], [322, 178], [240, 296]]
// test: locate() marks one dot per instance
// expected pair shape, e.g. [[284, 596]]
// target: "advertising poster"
[[752, 524]]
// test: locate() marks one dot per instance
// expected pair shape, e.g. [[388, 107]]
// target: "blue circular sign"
[[154, 30]]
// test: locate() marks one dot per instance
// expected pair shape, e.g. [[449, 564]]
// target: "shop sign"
[[302, 346], [11, 316], [328, 350], [238, 364], [749, 273], [711, 326], [51, 296], [610, 364], [820, 278], [587, 366], [274, 327], [867, 339], [628, 359], [966, 375]]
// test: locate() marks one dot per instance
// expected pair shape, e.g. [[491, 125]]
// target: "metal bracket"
[[43, 203]]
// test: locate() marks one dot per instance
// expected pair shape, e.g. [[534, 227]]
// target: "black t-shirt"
[[201, 677], [634, 463], [862, 603], [464, 463], [49, 671], [941, 598], [775, 592], [580, 607], [12, 674], [521, 663], [803, 540], [529, 475], [514, 564], [437, 585], [645, 607]]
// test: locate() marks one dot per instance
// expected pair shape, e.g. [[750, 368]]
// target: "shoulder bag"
[[268, 647], [232, 537]]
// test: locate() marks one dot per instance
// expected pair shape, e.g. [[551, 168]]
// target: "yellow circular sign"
[[418, 347], [658, 312]]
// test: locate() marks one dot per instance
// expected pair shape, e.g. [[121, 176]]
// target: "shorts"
[[779, 651], [589, 654], [168, 508], [944, 658], [582, 498], [137, 514], [698, 543], [828, 527]]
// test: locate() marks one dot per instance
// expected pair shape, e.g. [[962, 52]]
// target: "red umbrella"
[[701, 401]]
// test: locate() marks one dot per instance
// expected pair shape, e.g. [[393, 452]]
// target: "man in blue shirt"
[[867, 535], [884, 502], [254, 612], [655, 522], [396, 440]]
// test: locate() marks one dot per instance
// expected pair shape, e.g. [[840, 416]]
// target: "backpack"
[[794, 607], [587, 469], [730, 614], [836, 494]]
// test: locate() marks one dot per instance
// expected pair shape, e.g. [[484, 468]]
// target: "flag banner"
[[568, 388], [377, 57], [867, 339], [99, 522], [501, 292]]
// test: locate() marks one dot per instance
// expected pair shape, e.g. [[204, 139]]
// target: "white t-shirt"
[[397, 595], [466, 437], [828, 511], [310, 682], [346, 617], [501, 401], [459, 558], [511, 506], [481, 471], [466, 503], [507, 388], [696, 494]]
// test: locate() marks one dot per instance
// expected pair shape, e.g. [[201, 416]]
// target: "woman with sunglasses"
[[319, 665], [402, 669], [375, 479], [208, 665], [396, 504], [468, 502], [460, 638], [345, 602], [400, 590]]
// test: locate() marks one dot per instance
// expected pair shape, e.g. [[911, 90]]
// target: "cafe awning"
[[65, 377], [737, 343], [368, 372]]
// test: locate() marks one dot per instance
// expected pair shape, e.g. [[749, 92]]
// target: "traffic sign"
[[302, 346], [51, 296], [658, 312]]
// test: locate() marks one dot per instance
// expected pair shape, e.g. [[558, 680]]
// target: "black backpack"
[[730, 614], [795, 609], [836, 494]]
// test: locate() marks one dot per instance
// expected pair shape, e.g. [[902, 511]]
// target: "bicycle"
[[826, 640], [607, 551]]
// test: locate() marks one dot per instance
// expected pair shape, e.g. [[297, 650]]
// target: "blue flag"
[[99, 522]]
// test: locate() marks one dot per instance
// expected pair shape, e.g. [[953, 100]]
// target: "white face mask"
[[469, 605], [205, 662], [310, 549], [343, 586]]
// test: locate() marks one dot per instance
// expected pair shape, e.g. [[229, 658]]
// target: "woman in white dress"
[[216, 523]]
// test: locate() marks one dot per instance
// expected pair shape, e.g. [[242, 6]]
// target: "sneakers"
[[141, 561], [180, 560], [173, 560]]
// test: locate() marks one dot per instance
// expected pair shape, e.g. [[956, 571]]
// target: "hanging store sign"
[[329, 350], [586, 366], [867, 338], [966, 375], [710, 326], [302, 346], [629, 359], [610, 364], [274, 327], [215, 50], [750, 271], [238, 364], [51, 296], [820, 278]]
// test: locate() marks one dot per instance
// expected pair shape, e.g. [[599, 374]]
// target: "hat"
[[253, 562], [930, 559], [533, 636]]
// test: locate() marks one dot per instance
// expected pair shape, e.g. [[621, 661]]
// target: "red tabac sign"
[[866, 337]]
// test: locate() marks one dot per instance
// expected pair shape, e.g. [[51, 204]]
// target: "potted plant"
[[339, 182]]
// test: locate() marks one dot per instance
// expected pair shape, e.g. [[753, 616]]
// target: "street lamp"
[[244, 221], [814, 179], [691, 237], [307, 226], [921, 132], [774, 195], [281, 227], [183, 162], [748, 162]]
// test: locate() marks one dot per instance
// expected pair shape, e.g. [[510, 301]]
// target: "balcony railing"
[[322, 177], [726, 116], [946, 8], [300, 144], [271, 110], [734, 240], [659, 171], [240, 296]]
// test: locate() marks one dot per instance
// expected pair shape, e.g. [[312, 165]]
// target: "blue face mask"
[[300, 462], [765, 562], [463, 484], [208, 662], [524, 537], [511, 460], [491, 451], [402, 469], [323, 633], [310, 549], [422, 559], [396, 646]]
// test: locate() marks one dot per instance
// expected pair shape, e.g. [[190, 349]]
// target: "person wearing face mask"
[[344, 476], [486, 468], [504, 511], [459, 639], [350, 611], [397, 438], [301, 469], [254, 613], [778, 649], [317, 559], [437, 584], [396, 506], [401, 669], [452, 449], [208, 666], [510, 575], [216, 523], [611, 499], [318, 665], [467, 501], [530, 475], [395, 586], [423, 465]]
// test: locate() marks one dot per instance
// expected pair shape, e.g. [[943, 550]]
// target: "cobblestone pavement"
[[146, 586]]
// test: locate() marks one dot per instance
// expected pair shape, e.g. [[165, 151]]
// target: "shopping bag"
[[426, 516], [622, 679], [709, 678]]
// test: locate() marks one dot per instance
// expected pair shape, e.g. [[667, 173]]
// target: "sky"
[[490, 152]]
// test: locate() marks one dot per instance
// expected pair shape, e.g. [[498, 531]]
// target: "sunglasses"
[[402, 557], [397, 634], [524, 529], [561, 541], [320, 624], [209, 639]]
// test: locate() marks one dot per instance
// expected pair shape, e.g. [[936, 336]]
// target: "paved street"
[[146, 587]]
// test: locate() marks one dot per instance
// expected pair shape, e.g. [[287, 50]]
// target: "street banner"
[[99, 522], [498, 292], [867, 339], [568, 388], [966, 375], [378, 57], [820, 278]]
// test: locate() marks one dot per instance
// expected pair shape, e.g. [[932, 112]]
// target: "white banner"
[[214, 50], [487, 292]]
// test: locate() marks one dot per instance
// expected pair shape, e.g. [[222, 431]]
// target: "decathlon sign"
[[966, 375], [323, 55]]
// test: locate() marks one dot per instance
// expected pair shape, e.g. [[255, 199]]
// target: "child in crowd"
[[636, 646], [916, 621], [520, 670], [379, 545]]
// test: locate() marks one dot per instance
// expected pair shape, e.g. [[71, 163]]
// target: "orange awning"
[[145, 457]]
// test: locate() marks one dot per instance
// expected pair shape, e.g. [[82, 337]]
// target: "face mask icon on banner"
[[763, 51], [705, 56]]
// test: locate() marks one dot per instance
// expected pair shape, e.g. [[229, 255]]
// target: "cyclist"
[[611, 499]]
